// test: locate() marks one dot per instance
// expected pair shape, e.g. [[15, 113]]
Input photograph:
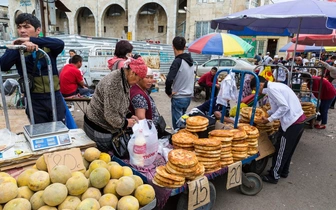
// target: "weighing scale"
[[47, 135]]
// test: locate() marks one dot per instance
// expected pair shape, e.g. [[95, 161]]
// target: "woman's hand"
[[135, 118], [131, 122]]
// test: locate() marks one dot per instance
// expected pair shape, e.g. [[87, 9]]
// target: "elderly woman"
[[108, 111], [122, 51], [142, 104]]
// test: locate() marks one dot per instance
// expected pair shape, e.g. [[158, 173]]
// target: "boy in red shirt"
[[206, 82]]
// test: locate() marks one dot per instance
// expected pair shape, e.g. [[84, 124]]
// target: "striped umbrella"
[[219, 44]]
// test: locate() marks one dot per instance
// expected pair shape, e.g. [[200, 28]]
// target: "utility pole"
[[39, 13]]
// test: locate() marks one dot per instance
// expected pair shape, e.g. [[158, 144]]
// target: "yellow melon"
[[116, 171], [89, 203], [91, 154], [47, 208], [55, 194], [36, 200], [99, 177], [97, 164], [107, 208], [7, 179], [70, 202], [128, 203], [77, 173], [77, 185], [8, 191], [125, 186], [22, 179], [111, 187], [60, 174], [108, 200], [111, 163], [38, 181], [25, 192], [18, 204], [138, 181], [41, 164], [91, 192], [127, 171], [145, 194], [105, 157], [86, 163], [4, 174]]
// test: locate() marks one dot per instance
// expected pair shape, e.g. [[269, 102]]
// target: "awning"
[[249, 32]]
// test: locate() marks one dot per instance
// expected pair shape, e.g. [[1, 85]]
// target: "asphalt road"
[[311, 183]]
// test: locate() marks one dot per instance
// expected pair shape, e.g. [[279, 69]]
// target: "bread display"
[[208, 152], [308, 109], [252, 138], [225, 136], [197, 123]]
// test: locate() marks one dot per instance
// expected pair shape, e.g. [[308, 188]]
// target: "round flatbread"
[[183, 145], [207, 155], [222, 139], [172, 171], [161, 184], [208, 159], [238, 134], [197, 120], [168, 181], [207, 148], [185, 148], [249, 129], [207, 142], [259, 114], [161, 170], [218, 151], [196, 129], [196, 126], [182, 158], [182, 170], [183, 138], [221, 133]]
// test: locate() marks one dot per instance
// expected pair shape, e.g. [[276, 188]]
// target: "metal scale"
[[43, 135]]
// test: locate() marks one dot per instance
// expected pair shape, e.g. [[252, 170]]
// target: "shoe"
[[332, 107], [320, 126], [269, 179], [283, 175]]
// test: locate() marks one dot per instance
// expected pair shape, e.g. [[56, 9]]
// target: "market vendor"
[[108, 111], [327, 95], [331, 75], [286, 107]]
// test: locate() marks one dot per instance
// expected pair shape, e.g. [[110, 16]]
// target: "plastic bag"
[[10, 86], [7, 139], [143, 146], [228, 90]]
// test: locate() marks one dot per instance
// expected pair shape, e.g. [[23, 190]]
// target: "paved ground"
[[310, 185]]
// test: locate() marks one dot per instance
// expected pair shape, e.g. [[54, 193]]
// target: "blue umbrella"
[[300, 16]]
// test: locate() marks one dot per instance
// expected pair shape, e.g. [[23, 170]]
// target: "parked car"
[[225, 63]]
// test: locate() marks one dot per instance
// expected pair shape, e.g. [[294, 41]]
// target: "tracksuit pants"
[[284, 149]]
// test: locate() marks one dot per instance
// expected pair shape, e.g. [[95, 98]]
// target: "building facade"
[[154, 21]]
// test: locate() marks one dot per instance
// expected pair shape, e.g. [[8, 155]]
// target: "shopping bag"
[[228, 90], [143, 145]]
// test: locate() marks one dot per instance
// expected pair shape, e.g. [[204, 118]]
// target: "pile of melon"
[[104, 184]]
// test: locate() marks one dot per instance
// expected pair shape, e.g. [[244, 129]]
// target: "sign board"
[[71, 158], [234, 177], [265, 146], [25, 3], [129, 36], [199, 193]]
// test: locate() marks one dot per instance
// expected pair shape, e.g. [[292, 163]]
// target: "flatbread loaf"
[[183, 138], [182, 158], [161, 170], [221, 133], [197, 120], [238, 134], [207, 142]]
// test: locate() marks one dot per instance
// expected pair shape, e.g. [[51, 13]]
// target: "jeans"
[[324, 107], [179, 107]]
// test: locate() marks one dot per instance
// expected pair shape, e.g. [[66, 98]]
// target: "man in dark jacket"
[[29, 27], [180, 80]]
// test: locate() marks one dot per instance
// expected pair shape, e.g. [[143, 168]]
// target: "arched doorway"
[[85, 22], [114, 22], [152, 23]]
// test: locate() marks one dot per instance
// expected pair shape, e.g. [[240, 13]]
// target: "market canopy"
[[316, 39]]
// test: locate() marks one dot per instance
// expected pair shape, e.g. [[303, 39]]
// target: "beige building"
[[157, 21], [4, 23]]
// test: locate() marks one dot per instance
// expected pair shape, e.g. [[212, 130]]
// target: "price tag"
[[234, 177], [199, 193], [71, 158]]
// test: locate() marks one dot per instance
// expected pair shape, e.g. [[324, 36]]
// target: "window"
[[227, 62], [57, 28], [212, 63], [260, 46], [104, 29], [160, 29], [203, 28], [126, 29], [202, 1]]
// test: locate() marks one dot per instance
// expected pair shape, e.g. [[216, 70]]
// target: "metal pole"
[[289, 82], [4, 103], [26, 83]]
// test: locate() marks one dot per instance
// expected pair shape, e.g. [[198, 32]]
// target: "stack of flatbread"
[[184, 163], [268, 127], [208, 152], [225, 136], [184, 139], [239, 145], [246, 115], [276, 125], [266, 107], [164, 179], [197, 124], [252, 137], [308, 109]]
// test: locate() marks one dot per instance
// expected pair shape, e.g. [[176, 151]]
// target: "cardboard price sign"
[[199, 193], [234, 177], [265, 146], [71, 158]]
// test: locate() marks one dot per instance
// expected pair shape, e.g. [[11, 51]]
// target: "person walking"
[[29, 28], [180, 80], [286, 107]]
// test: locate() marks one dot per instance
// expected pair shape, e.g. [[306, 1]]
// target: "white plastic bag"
[[228, 90], [143, 146]]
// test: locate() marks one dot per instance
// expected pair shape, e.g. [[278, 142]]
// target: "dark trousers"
[[42, 109], [324, 108], [208, 91], [333, 103], [284, 149]]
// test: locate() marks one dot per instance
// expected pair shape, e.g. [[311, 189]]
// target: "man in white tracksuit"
[[286, 107]]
